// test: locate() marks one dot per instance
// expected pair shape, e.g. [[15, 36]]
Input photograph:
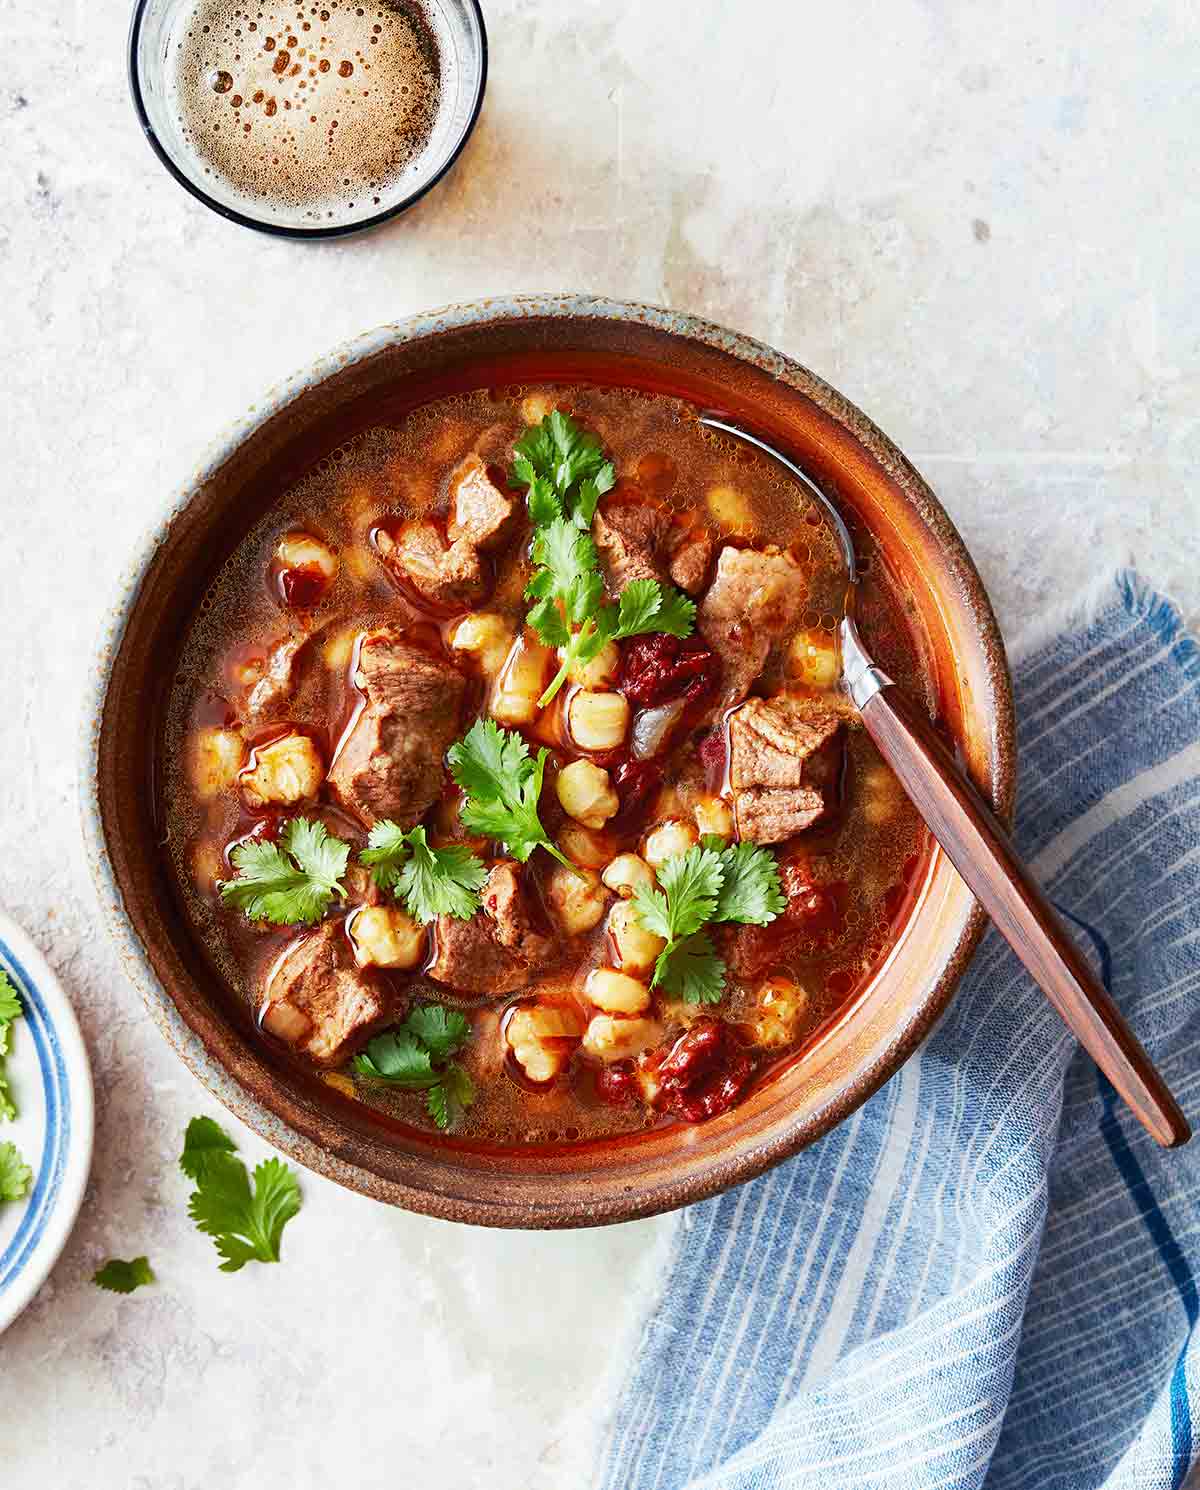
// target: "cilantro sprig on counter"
[[119, 1276], [713, 882], [417, 1056], [291, 882], [565, 473], [502, 783], [245, 1224], [430, 881]]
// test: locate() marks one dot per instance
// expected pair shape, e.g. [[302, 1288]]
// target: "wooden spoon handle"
[[980, 850]]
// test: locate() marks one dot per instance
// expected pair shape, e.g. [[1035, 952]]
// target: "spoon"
[[979, 848]]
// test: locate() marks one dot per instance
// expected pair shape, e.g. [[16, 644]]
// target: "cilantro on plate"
[[15, 1174], [10, 1011], [10, 1004]]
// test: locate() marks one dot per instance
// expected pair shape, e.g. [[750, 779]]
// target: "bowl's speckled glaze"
[[375, 378]]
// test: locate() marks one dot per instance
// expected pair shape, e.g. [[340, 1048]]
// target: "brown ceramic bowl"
[[377, 378]]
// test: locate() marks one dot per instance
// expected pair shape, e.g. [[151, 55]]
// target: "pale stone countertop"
[[979, 221]]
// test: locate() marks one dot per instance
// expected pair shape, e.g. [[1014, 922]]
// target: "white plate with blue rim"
[[51, 1082]]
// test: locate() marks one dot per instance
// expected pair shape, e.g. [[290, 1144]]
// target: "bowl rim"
[[290, 230], [248, 1106]]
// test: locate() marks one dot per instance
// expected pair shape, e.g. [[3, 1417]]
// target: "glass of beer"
[[308, 118]]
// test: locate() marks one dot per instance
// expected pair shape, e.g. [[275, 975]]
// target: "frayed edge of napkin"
[[1124, 587]]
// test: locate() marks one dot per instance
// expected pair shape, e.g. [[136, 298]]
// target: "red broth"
[[850, 878]]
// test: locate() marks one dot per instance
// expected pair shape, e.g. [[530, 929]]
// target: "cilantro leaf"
[[245, 1223], [117, 1276], [442, 1031], [590, 492], [201, 1141], [486, 756], [579, 452], [533, 457], [399, 1057], [10, 1004], [10, 1010], [546, 618], [454, 1093], [15, 1175], [640, 602], [502, 786], [691, 970], [568, 576], [689, 887], [712, 882], [646, 605], [430, 881], [412, 1057], [653, 911], [386, 853], [691, 883], [564, 470], [543, 502], [750, 888], [290, 882], [676, 616]]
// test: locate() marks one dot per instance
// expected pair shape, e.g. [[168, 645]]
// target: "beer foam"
[[306, 110]]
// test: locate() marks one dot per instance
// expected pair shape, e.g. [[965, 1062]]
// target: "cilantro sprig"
[[644, 606], [502, 784], [417, 1056], [291, 882], [15, 1175], [565, 473], [246, 1224], [119, 1276], [564, 470], [712, 882], [430, 881], [10, 1011], [10, 1004]]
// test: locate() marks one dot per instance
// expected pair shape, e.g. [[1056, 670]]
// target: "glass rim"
[[284, 230]]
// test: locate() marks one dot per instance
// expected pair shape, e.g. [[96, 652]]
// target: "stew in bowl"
[[507, 778], [510, 850]]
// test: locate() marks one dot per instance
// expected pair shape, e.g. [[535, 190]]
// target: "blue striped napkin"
[[987, 1275]]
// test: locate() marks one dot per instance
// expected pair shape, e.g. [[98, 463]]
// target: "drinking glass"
[[458, 29]]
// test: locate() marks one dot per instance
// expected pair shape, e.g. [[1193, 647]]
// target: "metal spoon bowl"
[[979, 848]]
